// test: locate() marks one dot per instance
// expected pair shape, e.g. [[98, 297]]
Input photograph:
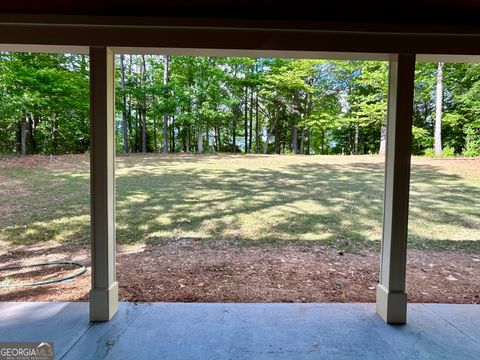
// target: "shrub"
[[472, 141], [429, 152], [421, 138], [470, 152], [448, 152]]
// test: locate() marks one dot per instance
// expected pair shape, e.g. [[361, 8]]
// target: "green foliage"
[[429, 152], [448, 152], [472, 140], [421, 138], [230, 104], [47, 95]]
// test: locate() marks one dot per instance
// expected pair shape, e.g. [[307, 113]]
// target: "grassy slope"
[[246, 199]]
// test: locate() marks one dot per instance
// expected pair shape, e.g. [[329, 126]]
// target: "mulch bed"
[[193, 272]]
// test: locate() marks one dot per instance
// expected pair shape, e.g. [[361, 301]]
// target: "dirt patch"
[[468, 166], [10, 188], [193, 272], [69, 162]]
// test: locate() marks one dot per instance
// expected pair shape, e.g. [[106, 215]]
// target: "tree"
[[124, 104], [233, 104], [438, 111], [165, 116], [44, 106]]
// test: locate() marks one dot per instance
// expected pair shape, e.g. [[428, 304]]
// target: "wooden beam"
[[168, 34]]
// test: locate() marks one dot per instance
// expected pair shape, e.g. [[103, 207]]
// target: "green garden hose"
[[81, 270]]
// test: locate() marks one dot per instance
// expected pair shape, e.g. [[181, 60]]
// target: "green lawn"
[[244, 199]]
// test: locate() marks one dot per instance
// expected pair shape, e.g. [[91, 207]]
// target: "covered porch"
[[243, 330], [246, 331]]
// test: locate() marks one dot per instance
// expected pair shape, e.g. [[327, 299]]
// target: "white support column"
[[104, 292], [391, 296]]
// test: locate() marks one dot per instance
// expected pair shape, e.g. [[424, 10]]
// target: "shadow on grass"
[[170, 198]]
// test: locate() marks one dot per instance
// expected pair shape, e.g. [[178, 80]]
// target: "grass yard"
[[216, 216]]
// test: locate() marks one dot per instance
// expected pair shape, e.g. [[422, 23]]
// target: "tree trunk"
[[357, 136], [31, 134], [294, 139], [219, 139], [172, 137], [265, 144], [131, 124], [199, 140], [276, 146], [154, 133], [245, 119], [269, 133], [187, 140], [302, 142], [143, 116], [143, 111], [322, 142], [383, 139], [234, 130], [124, 105], [207, 138], [308, 142], [131, 143], [438, 111], [53, 138], [257, 126], [165, 116], [23, 135], [250, 126], [138, 128]]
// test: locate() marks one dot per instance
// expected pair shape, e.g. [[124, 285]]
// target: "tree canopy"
[[250, 105]]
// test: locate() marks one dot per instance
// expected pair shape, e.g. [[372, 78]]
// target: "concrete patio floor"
[[246, 331]]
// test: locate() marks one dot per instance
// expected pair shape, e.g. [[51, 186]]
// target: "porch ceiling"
[[340, 29], [438, 14]]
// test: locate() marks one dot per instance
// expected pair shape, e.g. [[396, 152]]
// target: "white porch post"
[[391, 296], [104, 292]]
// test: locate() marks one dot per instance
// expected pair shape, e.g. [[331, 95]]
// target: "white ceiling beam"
[[324, 55], [321, 55], [472, 59], [35, 48]]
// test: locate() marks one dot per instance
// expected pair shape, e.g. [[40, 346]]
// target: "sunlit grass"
[[244, 199]]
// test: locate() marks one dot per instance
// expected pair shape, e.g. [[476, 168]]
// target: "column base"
[[392, 307], [103, 303]]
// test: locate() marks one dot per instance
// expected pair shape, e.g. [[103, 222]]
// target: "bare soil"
[[191, 271]]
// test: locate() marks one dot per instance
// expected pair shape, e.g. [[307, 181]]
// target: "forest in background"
[[250, 105]]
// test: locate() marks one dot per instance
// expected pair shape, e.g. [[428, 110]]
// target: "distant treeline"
[[212, 104]]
